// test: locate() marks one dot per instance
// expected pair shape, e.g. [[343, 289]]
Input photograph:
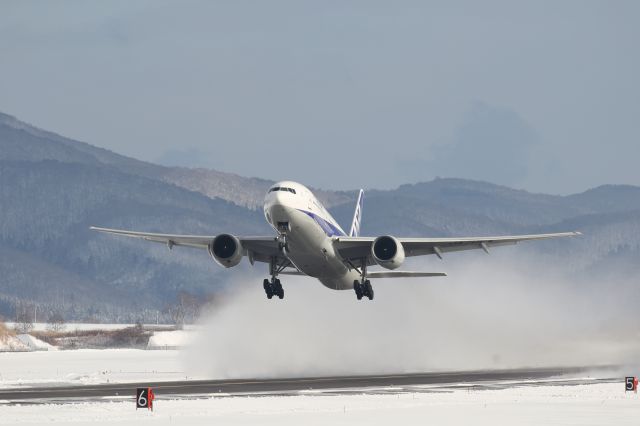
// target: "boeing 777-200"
[[310, 242]]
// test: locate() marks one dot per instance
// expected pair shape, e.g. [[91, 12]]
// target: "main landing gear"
[[363, 289], [273, 288]]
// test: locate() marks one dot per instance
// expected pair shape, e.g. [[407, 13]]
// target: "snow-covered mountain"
[[53, 188]]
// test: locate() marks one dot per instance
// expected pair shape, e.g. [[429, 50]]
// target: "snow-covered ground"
[[170, 339], [35, 344], [593, 404], [599, 403], [23, 343], [41, 326], [92, 366], [12, 343], [174, 339], [89, 366]]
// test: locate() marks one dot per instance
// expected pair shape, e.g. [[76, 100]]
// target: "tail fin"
[[357, 216]]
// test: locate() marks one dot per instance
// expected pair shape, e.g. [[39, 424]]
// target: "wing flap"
[[262, 248]]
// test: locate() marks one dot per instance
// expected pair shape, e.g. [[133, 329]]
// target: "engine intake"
[[226, 250], [388, 252]]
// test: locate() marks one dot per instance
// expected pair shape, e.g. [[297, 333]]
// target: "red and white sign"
[[144, 398]]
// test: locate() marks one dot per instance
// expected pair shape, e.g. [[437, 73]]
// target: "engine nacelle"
[[226, 250], [388, 252]]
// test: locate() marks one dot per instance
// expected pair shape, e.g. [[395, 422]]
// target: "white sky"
[[339, 94]]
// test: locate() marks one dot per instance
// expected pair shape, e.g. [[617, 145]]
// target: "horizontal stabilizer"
[[292, 272], [404, 274], [383, 274]]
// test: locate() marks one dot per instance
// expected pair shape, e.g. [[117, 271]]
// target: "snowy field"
[[593, 404], [535, 404], [41, 326], [89, 366]]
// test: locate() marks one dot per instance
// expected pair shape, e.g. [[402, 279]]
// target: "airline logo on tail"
[[357, 216]]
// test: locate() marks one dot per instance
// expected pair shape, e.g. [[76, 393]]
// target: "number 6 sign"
[[144, 398]]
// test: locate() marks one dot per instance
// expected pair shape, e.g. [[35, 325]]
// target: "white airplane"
[[310, 242]]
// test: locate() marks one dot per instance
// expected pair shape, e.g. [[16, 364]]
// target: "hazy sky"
[[543, 96]]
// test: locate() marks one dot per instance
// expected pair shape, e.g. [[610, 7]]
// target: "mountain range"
[[53, 188]]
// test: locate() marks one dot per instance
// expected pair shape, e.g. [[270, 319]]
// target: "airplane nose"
[[273, 203], [277, 198], [277, 205]]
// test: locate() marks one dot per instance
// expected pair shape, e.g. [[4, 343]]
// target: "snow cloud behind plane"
[[491, 312]]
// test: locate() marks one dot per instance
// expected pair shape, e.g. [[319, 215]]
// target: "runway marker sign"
[[631, 384], [144, 398]]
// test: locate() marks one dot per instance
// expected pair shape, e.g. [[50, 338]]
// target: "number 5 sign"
[[631, 384], [144, 398]]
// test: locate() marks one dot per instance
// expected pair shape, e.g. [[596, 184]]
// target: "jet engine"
[[388, 252], [226, 250]]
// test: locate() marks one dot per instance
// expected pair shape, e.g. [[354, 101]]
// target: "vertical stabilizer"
[[357, 216]]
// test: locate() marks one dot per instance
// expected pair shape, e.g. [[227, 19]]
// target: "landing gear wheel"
[[358, 289], [277, 289], [362, 287], [368, 289], [273, 288], [268, 288]]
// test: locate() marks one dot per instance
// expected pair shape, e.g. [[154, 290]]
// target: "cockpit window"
[[278, 188]]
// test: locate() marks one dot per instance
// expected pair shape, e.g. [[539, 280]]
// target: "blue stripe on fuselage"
[[328, 228]]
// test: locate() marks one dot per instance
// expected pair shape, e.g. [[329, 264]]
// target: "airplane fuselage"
[[292, 210]]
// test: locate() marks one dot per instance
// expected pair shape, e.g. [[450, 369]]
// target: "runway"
[[285, 386]]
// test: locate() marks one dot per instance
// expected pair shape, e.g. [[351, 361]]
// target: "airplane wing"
[[261, 248], [354, 248]]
